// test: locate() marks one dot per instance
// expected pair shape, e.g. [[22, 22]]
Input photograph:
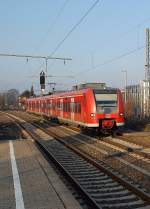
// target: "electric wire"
[[74, 27], [51, 27], [107, 61], [110, 60]]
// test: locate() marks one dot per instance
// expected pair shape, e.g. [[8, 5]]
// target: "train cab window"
[[106, 102]]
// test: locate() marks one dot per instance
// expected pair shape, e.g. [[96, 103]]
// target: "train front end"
[[109, 108]]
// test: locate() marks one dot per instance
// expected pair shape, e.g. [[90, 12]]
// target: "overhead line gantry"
[[36, 57]]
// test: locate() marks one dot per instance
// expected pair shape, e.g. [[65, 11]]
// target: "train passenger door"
[[39, 106], [72, 109], [84, 108], [61, 108], [48, 107], [51, 107]]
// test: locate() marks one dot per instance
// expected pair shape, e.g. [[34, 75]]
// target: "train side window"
[[68, 106], [79, 107], [76, 107], [46, 104], [43, 105], [53, 105], [58, 105], [64, 107]]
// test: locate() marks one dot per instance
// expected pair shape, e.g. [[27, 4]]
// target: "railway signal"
[[43, 74], [42, 80]]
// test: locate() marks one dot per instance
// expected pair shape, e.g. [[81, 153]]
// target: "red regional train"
[[101, 108]]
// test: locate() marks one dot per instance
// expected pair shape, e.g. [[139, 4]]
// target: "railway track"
[[99, 184], [128, 163]]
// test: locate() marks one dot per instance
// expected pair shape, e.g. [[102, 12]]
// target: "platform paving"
[[40, 185], [7, 197]]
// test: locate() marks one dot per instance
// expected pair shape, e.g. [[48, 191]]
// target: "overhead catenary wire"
[[34, 56], [111, 60], [51, 27], [122, 55], [75, 26], [136, 26]]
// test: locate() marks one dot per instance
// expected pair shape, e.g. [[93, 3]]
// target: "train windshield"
[[106, 103]]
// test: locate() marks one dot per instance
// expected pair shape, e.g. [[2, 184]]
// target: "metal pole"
[[126, 83], [125, 88], [46, 66], [34, 56]]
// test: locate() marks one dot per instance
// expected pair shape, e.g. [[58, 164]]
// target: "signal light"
[[42, 80]]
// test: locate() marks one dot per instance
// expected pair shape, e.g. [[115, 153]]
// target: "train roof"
[[77, 92], [90, 85], [106, 91]]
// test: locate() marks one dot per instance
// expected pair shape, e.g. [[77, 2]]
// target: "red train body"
[[96, 108]]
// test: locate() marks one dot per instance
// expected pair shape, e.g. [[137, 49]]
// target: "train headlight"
[[93, 114], [121, 114]]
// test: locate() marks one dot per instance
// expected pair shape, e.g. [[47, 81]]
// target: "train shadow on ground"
[[9, 131]]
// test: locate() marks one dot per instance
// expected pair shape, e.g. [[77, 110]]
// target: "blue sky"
[[112, 28]]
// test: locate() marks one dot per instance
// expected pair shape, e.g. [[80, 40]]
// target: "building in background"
[[9, 99], [133, 101], [138, 96]]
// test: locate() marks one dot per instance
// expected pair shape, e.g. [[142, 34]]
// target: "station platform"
[[27, 181]]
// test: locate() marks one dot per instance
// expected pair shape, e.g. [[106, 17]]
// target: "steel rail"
[[79, 188], [90, 201], [143, 195], [101, 166]]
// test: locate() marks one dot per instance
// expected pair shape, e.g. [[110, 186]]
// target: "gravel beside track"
[[139, 138]]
